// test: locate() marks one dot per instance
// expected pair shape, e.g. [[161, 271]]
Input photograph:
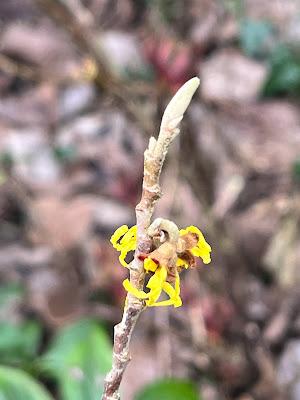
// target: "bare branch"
[[154, 157]]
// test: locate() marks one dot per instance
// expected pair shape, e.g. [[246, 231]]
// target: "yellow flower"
[[124, 240], [173, 293], [202, 249], [133, 290], [193, 244], [157, 284]]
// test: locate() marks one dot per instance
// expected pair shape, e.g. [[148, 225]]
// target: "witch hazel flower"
[[172, 251]]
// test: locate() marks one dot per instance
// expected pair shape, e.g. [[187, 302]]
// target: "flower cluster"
[[169, 257]]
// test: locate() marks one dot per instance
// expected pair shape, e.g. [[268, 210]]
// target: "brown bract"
[[167, 253]]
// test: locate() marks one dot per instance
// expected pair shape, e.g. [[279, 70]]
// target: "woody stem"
[[154, 157]]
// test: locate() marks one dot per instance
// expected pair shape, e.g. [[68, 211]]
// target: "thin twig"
[[82, 36], [85, 39], [154, 158]]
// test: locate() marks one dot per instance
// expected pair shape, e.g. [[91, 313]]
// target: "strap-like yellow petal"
[[168, 288], [203, 254], [124, 240], [150, 265], [117, 235], [140, 294], [129, 235], [177, 301], [173, 293], [155, 284], [202, 249]]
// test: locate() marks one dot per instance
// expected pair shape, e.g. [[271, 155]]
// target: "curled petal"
[[130, 235], [158, 278], [122, 257], [204, 254], [117, 235], [174, 293], [168, 288], [155, 285], [124, 240], [202, 249], [130, 246], [140, 294]]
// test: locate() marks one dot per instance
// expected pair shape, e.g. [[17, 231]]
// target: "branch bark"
[[154, 158]]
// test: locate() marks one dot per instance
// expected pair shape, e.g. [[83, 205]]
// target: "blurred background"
[[83, 84]]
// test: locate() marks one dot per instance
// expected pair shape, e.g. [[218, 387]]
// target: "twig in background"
[[84, 38], [154, 158], [81, 34]]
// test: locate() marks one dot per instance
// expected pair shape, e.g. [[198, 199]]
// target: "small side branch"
[[154, 158]]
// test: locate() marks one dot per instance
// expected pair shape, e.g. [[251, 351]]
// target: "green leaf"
[[6, 161], [169, 389], [78, 359], [296, 170], [10, 293], [65, 154], [235, 7], [254, 37], [17, 385], [19, 342], [284, 75]]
